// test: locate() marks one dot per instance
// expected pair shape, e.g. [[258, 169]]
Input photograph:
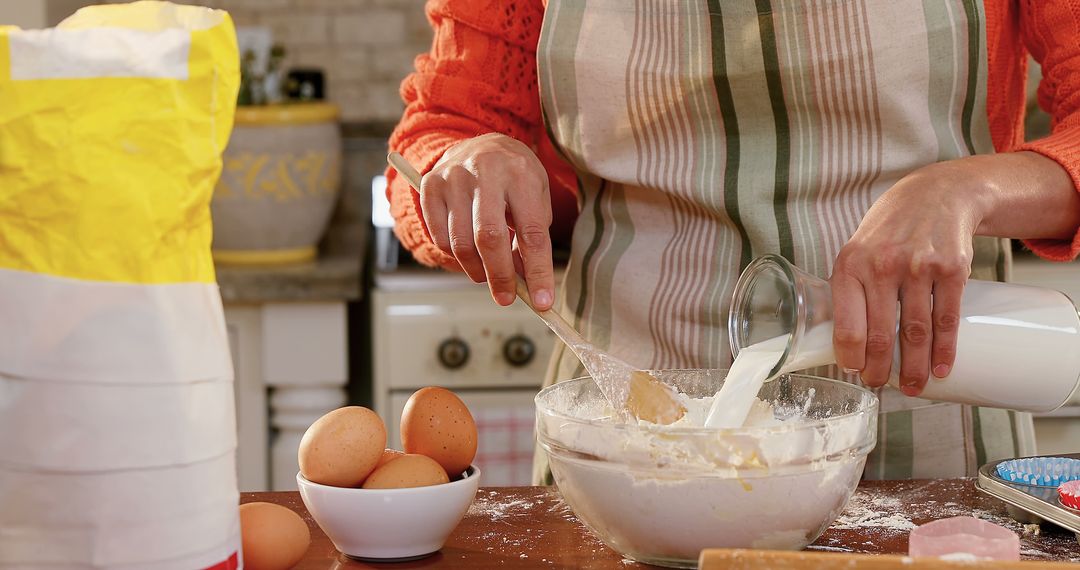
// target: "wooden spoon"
[[624, 386]]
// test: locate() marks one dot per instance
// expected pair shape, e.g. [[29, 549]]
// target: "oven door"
[[505, 421]]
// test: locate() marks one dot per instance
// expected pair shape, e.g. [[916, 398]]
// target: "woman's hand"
[[915, 246], [486, 203]]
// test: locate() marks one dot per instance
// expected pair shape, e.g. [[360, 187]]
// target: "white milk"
[[1018, 347], [748, 372], [751, 369]]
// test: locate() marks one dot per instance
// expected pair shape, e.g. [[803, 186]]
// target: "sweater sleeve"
[[479, 77], [1051, 32]]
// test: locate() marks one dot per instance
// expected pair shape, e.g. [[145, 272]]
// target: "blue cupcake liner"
[[1040, 471]]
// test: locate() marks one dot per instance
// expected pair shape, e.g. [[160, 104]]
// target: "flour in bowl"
[[661, 493]]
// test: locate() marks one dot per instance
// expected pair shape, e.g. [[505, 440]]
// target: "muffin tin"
[[1029, 503]]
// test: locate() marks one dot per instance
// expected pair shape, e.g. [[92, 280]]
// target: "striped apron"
[[708, 132]]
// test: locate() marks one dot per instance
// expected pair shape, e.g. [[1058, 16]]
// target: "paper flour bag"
[[117, 427]]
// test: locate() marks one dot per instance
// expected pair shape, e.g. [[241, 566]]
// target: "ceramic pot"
[[280, 181]]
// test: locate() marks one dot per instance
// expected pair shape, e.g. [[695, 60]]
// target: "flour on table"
[[873, 512], [828, 548], [489, 507]]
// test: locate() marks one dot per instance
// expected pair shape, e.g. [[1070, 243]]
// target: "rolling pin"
[[738, 559]]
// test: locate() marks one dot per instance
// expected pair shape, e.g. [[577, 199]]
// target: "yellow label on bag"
[[112, 127]]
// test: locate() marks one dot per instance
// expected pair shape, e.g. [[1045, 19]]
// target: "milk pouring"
[[1018, 347]]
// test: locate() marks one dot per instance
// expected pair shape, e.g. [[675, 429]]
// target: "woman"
[[855, 138]]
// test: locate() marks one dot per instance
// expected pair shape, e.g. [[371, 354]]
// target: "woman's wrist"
[[956, 189], [1018, 195]]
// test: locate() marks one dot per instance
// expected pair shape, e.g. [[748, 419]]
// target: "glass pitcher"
[[1018, 347]]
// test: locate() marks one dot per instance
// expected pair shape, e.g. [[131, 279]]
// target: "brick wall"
[[365, 47]]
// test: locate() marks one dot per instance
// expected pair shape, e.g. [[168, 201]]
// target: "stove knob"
[[519, 350], [453, 353]]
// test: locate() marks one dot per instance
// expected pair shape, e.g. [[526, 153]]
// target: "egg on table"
[[437, 424], [343, 447], [409, 470], [273, 537]]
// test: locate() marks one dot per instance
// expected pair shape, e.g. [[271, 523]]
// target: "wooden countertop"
[[531, 527]]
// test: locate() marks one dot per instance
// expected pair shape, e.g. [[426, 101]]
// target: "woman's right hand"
[[486, 203]]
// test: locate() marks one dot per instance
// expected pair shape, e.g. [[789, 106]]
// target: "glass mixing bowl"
[[661, 494]]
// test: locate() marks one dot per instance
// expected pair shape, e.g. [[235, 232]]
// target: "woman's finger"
[[492, 238], [531, 213], [849, 322], [915, 335], [946, 323], [462, 245], [433, 206], [881, 299]]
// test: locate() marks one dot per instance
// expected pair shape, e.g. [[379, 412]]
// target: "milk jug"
[[1018, 347]]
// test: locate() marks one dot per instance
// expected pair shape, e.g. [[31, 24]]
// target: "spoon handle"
[[554, 321], [405, 169]]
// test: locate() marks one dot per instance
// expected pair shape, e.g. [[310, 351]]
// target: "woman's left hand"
[[913, 246]]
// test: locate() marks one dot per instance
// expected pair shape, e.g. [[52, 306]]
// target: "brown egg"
[[274, 537], [436, 423], [409, 470], [388, 455], [342, 448]]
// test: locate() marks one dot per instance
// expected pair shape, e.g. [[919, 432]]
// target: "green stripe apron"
[[708, 132]]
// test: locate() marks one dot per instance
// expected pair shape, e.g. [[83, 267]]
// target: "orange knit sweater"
[[480, 77]]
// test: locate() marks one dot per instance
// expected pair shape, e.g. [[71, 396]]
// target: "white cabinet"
[[291, 366], [1058, 435], [244, 326]]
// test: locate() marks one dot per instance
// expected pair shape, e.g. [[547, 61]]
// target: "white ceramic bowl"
[[383, 524], [660, 495]]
